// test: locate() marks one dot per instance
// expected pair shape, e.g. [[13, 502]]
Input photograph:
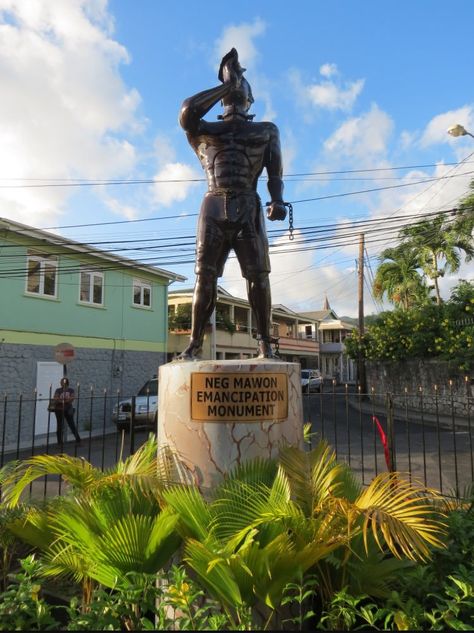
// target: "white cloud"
[[289, 150], [64, 110], [407, 139], [447, 283], [301, 280], [328, 95], [436, 130], [328, 70], [364, 137], [169, 169], [120, 208], [241, 37], [165, 193]]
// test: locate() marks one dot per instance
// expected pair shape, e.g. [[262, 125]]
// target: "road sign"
[[64, 353]]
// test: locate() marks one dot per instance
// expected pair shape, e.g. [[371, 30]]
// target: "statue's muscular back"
[[233, 153]]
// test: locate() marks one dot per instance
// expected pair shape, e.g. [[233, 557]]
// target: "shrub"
[[21, 606], [443, 331]]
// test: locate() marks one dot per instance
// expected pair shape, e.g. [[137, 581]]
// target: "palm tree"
[[465, 212], [398, 277], [440, 239]]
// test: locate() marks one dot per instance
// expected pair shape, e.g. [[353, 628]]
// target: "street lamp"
[[459, 130]]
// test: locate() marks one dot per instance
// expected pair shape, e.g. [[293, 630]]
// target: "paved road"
[[434, 454]]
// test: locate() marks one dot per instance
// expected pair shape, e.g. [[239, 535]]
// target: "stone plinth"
[[218, 414]]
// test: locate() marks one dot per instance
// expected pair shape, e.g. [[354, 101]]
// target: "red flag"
[[383, 437]]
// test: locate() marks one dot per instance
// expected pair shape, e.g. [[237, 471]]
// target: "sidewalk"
[[402, 414]]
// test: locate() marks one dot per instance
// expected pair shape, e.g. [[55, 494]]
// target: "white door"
[[48, 375]]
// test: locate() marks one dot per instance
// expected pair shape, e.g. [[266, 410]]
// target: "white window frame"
[[92, 274], [42, 260], [138, 283]]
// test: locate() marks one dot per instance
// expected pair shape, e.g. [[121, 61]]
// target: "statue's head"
[[239, 100]]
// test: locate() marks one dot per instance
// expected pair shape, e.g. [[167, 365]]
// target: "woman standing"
[[64, 397]]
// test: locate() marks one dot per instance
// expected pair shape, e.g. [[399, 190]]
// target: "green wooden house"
[[112, 310]]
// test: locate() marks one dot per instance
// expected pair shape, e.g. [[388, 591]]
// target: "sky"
[[362, 94]]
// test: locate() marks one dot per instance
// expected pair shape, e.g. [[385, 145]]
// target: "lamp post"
[[459, 130]]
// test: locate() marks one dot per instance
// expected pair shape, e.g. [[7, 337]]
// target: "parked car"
[[146, 408], [311, 380]]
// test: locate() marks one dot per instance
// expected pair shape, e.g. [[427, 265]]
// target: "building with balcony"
[[331, 333], [230, 334]]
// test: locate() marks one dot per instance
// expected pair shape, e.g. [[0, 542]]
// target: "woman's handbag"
[[53, 405]]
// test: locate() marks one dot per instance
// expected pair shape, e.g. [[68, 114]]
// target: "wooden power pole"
[[361, 360]]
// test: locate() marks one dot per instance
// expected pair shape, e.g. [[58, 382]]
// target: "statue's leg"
[[258, 289], [204, 301]]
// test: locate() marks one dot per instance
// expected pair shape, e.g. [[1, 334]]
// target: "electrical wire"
[[84, 182], [302, 246], [362, 225]]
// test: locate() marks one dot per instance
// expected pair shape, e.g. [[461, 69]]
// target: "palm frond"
[[400, 516], [214, 574], [192, 509], [253, 472], [312, 475], [65, 560], [76, 471], [242, 507], [143, 461], [34, 528]]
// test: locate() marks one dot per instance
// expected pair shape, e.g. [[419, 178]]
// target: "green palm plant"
[[389, 524], [268, 524], [398, 277], [108, 525], [464, 221], [441, 240]]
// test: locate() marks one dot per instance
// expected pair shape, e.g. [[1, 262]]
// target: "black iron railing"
[[426, 434]]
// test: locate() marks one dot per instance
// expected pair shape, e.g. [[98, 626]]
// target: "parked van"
[[146, 408], [311, 380]]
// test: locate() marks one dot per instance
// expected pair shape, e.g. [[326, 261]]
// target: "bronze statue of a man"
[[233, 152]]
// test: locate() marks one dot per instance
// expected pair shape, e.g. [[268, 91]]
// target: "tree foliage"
[[440, 243], [427, 251], [398, 277], [443, 331]]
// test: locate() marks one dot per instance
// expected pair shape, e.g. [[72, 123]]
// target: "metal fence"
[[426, 435]]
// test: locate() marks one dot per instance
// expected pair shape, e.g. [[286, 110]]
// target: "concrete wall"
[[100, 369], [414, 382]]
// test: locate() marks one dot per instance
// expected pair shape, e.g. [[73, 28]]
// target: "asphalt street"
[[438, 455]]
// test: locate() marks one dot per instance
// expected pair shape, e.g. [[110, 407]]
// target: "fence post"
[[132, 427], [390, 433]]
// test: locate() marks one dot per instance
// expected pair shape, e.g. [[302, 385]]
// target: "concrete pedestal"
[[218, 414]]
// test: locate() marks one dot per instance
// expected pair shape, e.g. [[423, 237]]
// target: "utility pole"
[[361, 360], [213, 335]]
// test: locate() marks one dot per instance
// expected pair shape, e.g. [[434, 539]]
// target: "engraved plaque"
[[239, 397]]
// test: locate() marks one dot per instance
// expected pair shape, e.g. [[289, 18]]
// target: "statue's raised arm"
[[196, 107]]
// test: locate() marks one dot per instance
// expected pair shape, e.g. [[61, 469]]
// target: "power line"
[[406, 184], [75, 182], [318, 198], [315, 244], [339, 227]]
